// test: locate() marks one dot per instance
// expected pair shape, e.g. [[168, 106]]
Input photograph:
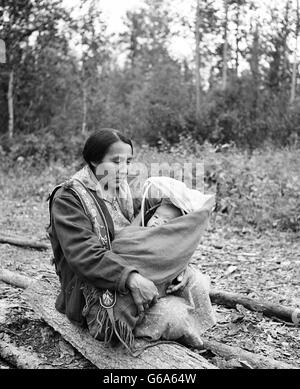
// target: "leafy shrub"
[[259, 189], [42, 149]]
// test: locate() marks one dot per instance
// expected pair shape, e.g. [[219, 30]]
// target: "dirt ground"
[[264, 265]]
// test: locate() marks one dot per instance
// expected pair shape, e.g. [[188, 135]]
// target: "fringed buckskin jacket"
[[79, 256]]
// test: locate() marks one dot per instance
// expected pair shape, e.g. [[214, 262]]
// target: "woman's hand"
[[184, 277], [143, 291]]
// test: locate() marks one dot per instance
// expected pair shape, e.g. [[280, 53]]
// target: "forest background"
[[233, 101]]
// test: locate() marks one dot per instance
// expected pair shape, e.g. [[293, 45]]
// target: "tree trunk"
[[225, 50], [254, 66], [10, 100], [198, 81], [2, 51], [84, 110], [237, 39], [285, 37], [294, 76]]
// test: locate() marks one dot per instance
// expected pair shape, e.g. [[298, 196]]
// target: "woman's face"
[[114, 167]]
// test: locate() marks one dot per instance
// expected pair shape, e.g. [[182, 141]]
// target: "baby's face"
[[163, 214]]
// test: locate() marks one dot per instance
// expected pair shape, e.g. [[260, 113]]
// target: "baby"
[[163, 214]]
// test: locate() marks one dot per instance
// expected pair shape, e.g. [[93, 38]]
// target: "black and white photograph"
[[149, 187]]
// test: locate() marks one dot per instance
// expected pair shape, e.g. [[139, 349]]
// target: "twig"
[[231, 300]]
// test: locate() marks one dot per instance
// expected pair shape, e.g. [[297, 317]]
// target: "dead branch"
[[20, 357], [24, 242], [256, 361], [268, 309], [14, 278]]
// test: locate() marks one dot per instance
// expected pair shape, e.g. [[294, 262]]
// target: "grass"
[[259, 190]]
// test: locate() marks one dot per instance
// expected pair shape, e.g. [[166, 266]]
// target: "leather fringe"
[[106, 325]]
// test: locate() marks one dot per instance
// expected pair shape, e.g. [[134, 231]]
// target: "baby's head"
[[163, 214]]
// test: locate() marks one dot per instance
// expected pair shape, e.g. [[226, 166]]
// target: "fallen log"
[[168, 356], [42, 298], [15, 279], [163, 356], [18, 350], [279, 311], [18, 356], [256, 361], [24, 242], [227, 299]]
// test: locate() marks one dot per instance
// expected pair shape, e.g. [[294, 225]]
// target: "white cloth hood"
[[187, 200]]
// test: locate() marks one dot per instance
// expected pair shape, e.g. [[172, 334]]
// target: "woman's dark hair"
[[99, 142]]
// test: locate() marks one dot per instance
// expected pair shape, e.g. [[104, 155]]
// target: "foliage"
[[239, 115], [41, 149], [150, 95], [258, 189], [60, 97], [40, 68], [254, 190]]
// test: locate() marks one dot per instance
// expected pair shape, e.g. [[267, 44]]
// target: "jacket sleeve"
[[81, 247]]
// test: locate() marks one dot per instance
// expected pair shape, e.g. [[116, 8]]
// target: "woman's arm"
[[81, 247], [90, 261]]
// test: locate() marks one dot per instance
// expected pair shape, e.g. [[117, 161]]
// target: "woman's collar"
[[88, 178]]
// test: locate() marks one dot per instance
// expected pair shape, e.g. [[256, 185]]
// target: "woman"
[[85, 213]]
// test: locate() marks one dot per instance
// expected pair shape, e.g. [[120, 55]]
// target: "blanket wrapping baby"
[[161, 253]]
